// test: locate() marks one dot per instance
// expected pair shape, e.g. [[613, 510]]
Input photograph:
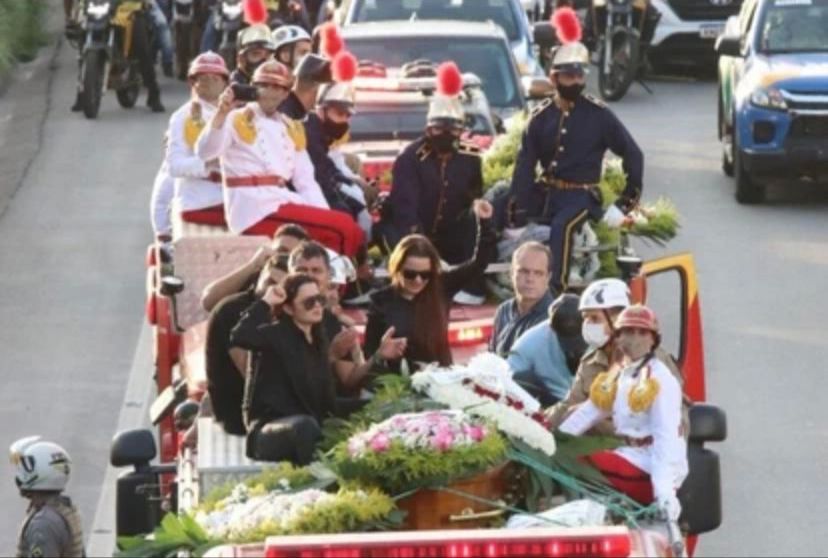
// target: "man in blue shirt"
[[544, 359], [530, 280]]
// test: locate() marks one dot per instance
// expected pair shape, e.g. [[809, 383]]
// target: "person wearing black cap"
[[544, 359], [311, 73]]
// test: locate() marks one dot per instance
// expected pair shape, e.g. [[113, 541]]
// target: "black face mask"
[[335, 130], [570, 92], [444, 142]]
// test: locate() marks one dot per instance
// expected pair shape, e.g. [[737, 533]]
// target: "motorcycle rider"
[[311, 72], [198, 193], [255, 47], [53, 526], [290, 44], [569, 135], [162, 36], [435, 181]]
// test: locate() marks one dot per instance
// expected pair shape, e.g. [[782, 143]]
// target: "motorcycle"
[[228, 21], [622, 29], [189, 18], [110, 44]]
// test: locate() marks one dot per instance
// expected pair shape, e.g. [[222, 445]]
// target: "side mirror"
[[171, 285], [185, 415], [537, 88], [543, 34], [708, 423], [167, 401], [630, 266], [729, 45], [132, 447]]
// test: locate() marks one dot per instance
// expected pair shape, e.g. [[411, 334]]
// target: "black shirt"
[[390, 308], [290, 376], [293, 108], [225, 382]]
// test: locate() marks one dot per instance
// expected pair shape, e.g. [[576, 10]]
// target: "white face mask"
[[595, 335]]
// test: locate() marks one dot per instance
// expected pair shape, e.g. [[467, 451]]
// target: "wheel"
[[623, 64], [748, 192], [726, 138], [183, 52], [92, 69], [128, 95]]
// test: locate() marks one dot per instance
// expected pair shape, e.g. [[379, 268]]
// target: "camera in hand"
[[244, 93]]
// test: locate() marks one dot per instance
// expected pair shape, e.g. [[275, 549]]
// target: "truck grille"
[[809, 127], [806, 100], [700, 10]]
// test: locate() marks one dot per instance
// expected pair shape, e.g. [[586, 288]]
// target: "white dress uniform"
[[665, 458], [163, 191], [254, 149], [197, 181]]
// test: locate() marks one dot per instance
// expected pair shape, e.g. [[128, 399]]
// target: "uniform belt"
[[253, 181], [560, 184], [214, 177], [637, 442]]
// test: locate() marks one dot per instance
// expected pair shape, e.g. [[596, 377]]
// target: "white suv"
[[688, 30]]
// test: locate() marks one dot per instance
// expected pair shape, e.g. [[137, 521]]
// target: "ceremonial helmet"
[[41, 466], [273, 73], [257, 35], [605, 294], [208, 63], [445, 106], [341, 92], [638, 316], [571, 55], [288, 35]]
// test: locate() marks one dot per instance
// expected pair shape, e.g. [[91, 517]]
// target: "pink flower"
[[443, 441], [380, 443], [476, 433]]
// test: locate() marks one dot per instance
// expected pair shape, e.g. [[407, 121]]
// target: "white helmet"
[[288, 35], [41, 466], [605, 294]]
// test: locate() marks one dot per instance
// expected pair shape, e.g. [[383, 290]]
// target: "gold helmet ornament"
[[571, 56], [446, 106], [341, 92]]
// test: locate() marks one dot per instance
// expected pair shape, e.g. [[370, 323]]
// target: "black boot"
[[78, 106], [154, 101]]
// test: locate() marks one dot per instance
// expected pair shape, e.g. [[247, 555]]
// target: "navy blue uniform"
[[326, 172], [293, 108], [240, 76], [570, 143], [432, 195]]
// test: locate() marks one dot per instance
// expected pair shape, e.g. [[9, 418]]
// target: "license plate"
[[711, 31]]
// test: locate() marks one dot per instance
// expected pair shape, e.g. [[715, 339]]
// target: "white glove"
[[671, 507], [613, 216], [513, 233]]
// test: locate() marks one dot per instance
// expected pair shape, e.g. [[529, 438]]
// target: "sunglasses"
[[312, 301], [412, 274]]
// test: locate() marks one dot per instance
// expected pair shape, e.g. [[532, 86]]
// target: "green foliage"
[[499, 160], [393, 396], [282, 476], [400, 469], [174, 535], [21, 30]]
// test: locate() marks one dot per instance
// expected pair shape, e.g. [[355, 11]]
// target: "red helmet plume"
[[255, 11], [344, 67], [567, 25], [331, 41], [449, 79]]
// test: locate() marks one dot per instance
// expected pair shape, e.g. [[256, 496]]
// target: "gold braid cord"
[[642, 396]]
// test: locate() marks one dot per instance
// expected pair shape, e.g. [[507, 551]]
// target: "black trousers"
[[290, 438], [455, 241]]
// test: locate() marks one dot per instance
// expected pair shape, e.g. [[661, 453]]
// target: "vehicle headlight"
[[97, 10], [231, 10], [769, 97]]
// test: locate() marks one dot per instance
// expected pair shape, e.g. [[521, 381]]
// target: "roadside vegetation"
[[22, 31]]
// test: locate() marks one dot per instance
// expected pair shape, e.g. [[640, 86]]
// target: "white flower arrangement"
[[485, 388]]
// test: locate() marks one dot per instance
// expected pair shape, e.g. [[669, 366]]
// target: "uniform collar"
[[257, 111], [564, 105]]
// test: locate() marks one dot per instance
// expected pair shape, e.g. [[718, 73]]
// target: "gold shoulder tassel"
[[193, 125], [641, 397], [296, 133], [603, 389], [245, 128]]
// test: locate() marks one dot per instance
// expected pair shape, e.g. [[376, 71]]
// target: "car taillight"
[[427, 544], [470, 335]]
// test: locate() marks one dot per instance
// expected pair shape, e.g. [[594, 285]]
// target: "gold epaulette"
[[542, 106], [643, 394], [193, 125], [296, 133], [245, 128], [423, 152], [469, 148], [595, 100]]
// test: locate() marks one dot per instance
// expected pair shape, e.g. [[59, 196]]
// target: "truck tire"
[[726, 139], [748, 192]]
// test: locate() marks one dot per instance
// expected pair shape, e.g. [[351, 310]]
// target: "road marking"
[[134, 414]]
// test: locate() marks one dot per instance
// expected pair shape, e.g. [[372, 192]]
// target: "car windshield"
[[382, 122], [501, 12], [795, 26], [489, 59]]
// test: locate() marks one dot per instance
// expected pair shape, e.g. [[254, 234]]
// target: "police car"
[[773, 94], [391, 109]]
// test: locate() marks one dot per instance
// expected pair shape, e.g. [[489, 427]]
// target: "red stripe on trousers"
[[208, 216], [335, 229], [624, 476]]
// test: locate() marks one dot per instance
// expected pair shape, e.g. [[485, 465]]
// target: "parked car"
[[773, 94], [510, 15]]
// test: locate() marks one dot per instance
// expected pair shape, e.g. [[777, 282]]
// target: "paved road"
[[71, 297]]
